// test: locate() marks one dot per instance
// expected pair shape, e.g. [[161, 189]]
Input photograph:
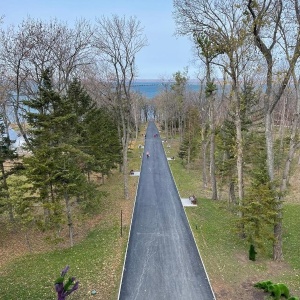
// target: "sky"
[[165, 54]]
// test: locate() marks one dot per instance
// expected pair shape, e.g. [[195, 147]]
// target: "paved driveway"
[[162, 260]]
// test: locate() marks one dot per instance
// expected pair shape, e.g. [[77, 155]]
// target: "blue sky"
[[165, 55]]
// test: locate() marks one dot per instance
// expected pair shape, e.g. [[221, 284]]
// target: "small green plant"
[[64, 290], [279, 289], [276, 289], [264, 285], [252, 253]]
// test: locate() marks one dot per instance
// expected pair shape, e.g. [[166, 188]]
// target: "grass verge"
[[91, 262], [225, 255], [96, 261]]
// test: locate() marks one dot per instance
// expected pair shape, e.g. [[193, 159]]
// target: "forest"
[[67, 92]]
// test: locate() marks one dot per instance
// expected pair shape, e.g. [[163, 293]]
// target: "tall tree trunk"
[[269, 145], [232, 198], [204, 160], [213, 162], [125, 171], [166, 127], [210, 98], [239, 144], [69, 217], [125, 144], [5, 186]]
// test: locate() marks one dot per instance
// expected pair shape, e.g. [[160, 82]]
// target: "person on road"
[[148, 154]]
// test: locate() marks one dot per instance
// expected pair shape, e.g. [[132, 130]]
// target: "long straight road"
[[162, 260]]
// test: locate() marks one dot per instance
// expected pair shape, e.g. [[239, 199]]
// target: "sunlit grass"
[[224, 253], [96, 261], [32, 277]]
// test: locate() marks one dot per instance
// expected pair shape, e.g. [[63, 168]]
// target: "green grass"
[[96, 261], [225, 255], [291, 241], [32, 277], [93, 261]]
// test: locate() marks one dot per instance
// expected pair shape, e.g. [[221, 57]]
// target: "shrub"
[[65, 290]]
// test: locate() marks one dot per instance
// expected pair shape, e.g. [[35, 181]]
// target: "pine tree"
[[258, 210], [55, 166], [96, 130], [102, 141], [189, 147], [23, 202], [69, 138], [45, 137], [6, 153]]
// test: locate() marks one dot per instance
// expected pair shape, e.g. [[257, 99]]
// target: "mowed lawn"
[[225, 254], [97, 260]]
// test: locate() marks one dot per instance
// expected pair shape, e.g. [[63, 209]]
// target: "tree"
[[101, 140], [23, 203], [209, 51], [189, 147], [34, 46], [258, 210], [14, 49], [219, 28], [267, 19], [118, 41], [56, 165], [164, 105], [6, 154], [179, 90], [70, 138]]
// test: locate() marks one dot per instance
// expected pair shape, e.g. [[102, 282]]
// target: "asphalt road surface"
[[162, 260]]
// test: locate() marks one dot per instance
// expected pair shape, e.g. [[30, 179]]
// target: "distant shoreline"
[[162, 80], [153, 87]]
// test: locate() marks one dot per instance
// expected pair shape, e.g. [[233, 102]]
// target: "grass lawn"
[[225, 255], [91, 261], [97, 260]]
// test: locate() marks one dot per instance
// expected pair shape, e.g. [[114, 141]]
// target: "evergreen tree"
[[96, 130], [102, 141], [56, 165], [226, 158], [23, 202], [44, 119], [179, 90], [259, 207], [189, 147], [7, 153], [69, 137]]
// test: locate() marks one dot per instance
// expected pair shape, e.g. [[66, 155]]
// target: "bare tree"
[[118, 40], [222, 24], [14, 52], [34, 46], [138, 103], [267, 21]]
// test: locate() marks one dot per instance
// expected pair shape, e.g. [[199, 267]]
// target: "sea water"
[[152, 88]]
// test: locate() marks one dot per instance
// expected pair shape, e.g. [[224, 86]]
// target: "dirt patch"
[[243, 285], [246, 291], [16, 243]]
